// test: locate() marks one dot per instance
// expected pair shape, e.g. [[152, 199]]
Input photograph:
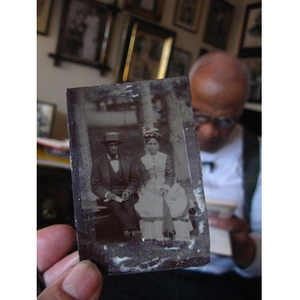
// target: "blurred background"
[[86, 43]]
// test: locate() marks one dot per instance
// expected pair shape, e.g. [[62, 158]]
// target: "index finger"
[[53, 243]]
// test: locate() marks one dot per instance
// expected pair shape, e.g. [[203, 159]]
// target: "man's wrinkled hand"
[[243, 246], [64, 276]]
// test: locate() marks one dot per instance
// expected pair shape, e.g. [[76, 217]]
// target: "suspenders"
[[251, 166]]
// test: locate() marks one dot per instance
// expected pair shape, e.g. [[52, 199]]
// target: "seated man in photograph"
[[115, 182]]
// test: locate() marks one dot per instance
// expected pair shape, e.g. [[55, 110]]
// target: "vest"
[[251, 167], [117, 180]]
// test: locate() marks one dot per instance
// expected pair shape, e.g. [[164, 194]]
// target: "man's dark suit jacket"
[[100, 176]]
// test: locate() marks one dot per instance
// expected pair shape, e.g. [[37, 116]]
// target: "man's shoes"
[[136, 234], [127, 234]]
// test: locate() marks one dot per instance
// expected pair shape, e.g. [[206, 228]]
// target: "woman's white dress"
[[158, 172]]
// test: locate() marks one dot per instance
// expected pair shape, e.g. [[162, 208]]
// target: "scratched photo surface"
[[136, 172]]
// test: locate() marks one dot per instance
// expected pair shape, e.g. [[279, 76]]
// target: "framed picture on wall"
[[147, 51], [254, 65], [150, 9], [218, 24], [251, 36], [180, 63], [85, 33], [44, 10], [187, 14], [45, 118]]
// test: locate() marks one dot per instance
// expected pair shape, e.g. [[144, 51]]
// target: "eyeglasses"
[[219, 122]]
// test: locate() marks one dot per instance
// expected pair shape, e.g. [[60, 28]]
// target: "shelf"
[[253, 106]]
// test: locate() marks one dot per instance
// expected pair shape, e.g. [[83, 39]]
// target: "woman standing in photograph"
[[162, 206]]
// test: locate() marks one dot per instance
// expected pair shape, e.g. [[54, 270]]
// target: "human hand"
[[243, 247], [163, 192], [64, 276], [119, 199], [126, 194], [111, 196]]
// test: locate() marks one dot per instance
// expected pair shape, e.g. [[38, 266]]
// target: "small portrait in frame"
[[187, 14], [149, 9], [85, 31], [147, 51], [180, 62], [254, 65], [251, 39], [45, 118], [218, 24]]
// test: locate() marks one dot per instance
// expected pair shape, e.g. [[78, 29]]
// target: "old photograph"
[[136, 172]]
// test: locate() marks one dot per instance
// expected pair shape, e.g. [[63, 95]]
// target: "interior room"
[[101, 42], [203, 27], [191, 41]]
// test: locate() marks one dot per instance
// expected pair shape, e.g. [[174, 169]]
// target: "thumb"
[[83, 281]]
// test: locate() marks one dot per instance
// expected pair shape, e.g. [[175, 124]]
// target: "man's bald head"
[[218, 72], [219, 87]]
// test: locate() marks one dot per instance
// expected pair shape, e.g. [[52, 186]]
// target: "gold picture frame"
[[147, 51], [44, 10]]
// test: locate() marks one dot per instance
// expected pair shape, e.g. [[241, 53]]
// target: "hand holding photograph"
[[136, 172]]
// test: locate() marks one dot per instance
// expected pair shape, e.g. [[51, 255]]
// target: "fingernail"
[[82, 281]]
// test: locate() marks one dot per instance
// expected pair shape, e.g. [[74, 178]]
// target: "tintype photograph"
[[136, 172]]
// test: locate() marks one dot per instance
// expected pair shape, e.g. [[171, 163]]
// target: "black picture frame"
[[251, 36], [218, 24], [44, 11], [85, 33], [151, 9], [147, 51], [187, 14], [45, 118], [254, 66], [180, 63]]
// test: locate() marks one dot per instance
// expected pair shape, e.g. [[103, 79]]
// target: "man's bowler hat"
[[111, 137]]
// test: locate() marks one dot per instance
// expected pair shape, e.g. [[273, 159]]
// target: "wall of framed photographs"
[[187, 28]]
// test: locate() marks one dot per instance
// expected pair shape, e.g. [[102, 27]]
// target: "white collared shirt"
[[225, 181], [114, 163]]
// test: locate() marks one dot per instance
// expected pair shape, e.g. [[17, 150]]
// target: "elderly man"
[[231, 163]]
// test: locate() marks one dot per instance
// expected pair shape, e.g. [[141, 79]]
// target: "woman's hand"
[[163, 192]]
